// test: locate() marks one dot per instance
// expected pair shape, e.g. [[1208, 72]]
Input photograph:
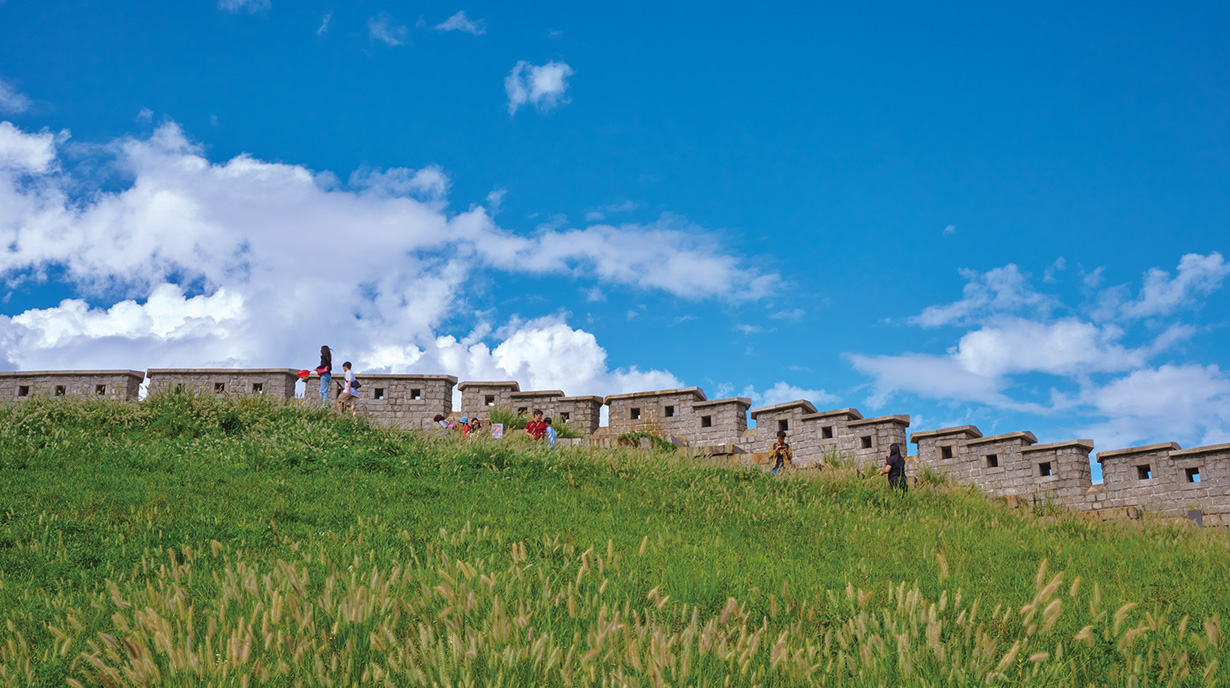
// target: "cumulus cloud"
[[783, 392], [1162, 295], [460, 22], [241, 5], [1100, 366], [541, 86], [1186, 401], [382, 28], [12, 102], [999, 291], [1065, 347], [26, 153], [253, 263]]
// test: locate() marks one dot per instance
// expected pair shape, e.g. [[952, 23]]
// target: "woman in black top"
[[326, 374], [894, 466]]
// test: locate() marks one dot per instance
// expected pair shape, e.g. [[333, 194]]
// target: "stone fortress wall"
[[1160, 479]]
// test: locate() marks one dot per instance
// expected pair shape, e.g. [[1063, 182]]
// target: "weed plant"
[[195, 541]]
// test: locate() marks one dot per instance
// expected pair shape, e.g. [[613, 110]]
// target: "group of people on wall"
[[538, 429], [541, 429]]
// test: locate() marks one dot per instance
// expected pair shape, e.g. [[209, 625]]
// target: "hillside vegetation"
[[193, 541]]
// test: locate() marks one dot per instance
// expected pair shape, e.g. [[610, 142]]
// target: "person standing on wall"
[[325, 371], [350, 394], [780, 454], [536, 428], [894, 466]]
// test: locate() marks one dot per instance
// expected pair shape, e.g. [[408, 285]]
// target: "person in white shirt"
[[349, 394]]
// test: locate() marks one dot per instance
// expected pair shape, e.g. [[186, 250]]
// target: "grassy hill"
[[190, 541]]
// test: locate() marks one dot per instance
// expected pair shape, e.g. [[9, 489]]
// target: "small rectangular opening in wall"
[[414, 394], [635, 414], [564, 416], [990, 461], [522, 410], [1044, 469], [670, 412], [945, 452], [783, 424], [219, 388], [826, 432], [380, 393], [1193, 474], [489, 400], [60, 390], [100, 390], [23, 391], [179, 387], [866, 441], [1144, 472], [258, 388], [706, 421]]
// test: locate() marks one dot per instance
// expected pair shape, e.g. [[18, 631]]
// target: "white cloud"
[[1104, 386], [1186, 402], [1065, 347], [928, 376], [999, 291], [382, 28], [793, 314], [12, 102], [495, 199], [1056, 267], [324, 24], [427, 183], [950, 230], [145, 115], [542, 86], [25, 153], [1162, 295], [252, 263], [783, 392], [249, 5], [460, 22]]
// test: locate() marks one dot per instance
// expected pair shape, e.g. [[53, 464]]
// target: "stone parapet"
[[278, 383], [115, 385]]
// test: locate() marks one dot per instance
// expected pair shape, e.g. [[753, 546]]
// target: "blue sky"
[[1014, 218]]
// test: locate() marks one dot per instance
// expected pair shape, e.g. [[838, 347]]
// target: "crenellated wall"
[[1160, 478]]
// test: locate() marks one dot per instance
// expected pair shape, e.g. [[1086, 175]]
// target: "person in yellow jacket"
[[780, 454]]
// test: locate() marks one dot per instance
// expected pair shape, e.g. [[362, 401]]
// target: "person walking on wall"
[[536, 428], [350, 393], [325, 371], [550, 433], [780, 454], [894, 466]]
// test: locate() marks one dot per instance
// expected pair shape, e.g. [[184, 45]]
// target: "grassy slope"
[[98, 492]]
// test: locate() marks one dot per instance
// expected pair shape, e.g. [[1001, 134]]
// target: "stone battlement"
[[1162, 478]]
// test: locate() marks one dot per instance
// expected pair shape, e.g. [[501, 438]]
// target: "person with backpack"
[[350, 393]]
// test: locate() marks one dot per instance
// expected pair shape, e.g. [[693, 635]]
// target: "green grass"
[[185, 541]]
